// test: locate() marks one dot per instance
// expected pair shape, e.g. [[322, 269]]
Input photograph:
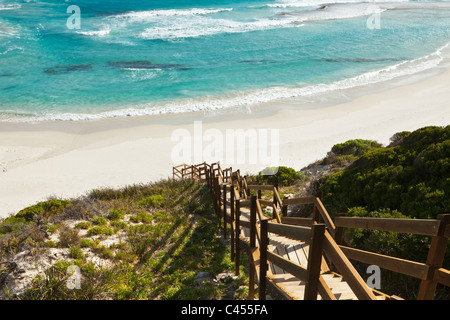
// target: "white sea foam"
[[335, 12], [205, 26], [347, 9], [386, 4], [309, 3], [151, 14], [174, 24], [8, 31], [98, 33], [128, 23], [10, 49], [247, 98], [9, 6], [191, 23]]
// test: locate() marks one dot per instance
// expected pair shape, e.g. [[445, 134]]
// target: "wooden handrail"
[[325, 216], [435, 258], [415, 226], [407, 267], [442, 276], [260, 187], [346, 269], [265, 202], [223, 180], [290, 231], [302, 200], [291, 267], [306, 222], [277, 198], [314, 261]]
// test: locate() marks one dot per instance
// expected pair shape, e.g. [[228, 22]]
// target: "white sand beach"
[[67, 159]]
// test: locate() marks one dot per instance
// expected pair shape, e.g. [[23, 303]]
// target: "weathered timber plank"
[[416, 226], [290, 249], [303, 200], [338, 258], [275, 269], [295, 269], [305, 222], [411, 268], [290, 231], [442, 276]]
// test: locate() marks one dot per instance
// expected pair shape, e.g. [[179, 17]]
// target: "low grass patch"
[[165, 233]]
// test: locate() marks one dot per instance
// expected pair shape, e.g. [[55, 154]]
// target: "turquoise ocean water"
[[165, 56]]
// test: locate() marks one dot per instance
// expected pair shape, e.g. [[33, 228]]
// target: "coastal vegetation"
[[155, 241], [161, 241], [412, 175], [282, 176], [409, 179]]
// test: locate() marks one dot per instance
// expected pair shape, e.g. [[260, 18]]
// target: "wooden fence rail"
[[241, 218]]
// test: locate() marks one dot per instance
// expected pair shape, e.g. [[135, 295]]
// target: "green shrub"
[[154, 200], [141, 239], [86, 243], [118, 225], [100, 230], [46, 208], [83, 225], [116, 214], [104, 252], [96, 283], [398, 137], [12, 225], [51, 244], [282, 175], [100, 221], [142, 216], [68, 237], [355, 147], [75, 253], [409, 179], [412, 177]]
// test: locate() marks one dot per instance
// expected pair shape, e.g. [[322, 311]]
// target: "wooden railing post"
[[224, 211], [253, 222], [237, 255], [251, 273], [316, 213], [339, 234], [314, 261], [284, 210], [435, 259], [217, 200], [233, 220], [346, 269], [275, 186], [263, 266]]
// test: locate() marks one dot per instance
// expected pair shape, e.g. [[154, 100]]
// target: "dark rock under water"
[[70, 68], [145, 65], [258, 61]]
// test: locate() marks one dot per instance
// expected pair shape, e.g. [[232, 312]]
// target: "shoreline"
[[68, 159]]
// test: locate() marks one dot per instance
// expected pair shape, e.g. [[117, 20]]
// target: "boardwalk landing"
[[302, 258], [297, 252]]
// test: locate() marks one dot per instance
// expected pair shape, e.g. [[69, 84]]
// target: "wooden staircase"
[[286, 286], [302, 258]]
